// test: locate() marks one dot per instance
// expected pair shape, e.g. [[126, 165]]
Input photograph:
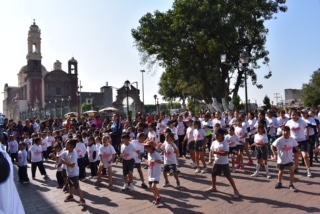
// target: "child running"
[[36, 158], [58, 151], [261, 143], [282, 149], [220, 150], [92, 157], [232, 140], [69, 158], [107, 154], [241, 132], [154, 170], [170, 161]]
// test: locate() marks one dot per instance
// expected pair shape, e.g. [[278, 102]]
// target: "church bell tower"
[[34, 74]]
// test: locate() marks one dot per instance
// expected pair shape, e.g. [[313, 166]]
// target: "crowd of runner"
[[219, 140]]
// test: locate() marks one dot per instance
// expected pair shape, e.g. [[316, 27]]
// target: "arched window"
[[34, 48]]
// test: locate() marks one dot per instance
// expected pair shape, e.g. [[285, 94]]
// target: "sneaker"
[[268, 176], [178, 185], [157, 201], [241, 166], [236, 194], [125, 187], [45, 176], [211, 190], [65, 188], [250, 163], [233, 170], [238, 166], [90, 177], [166, 184], [309, 174], [197, 170], [131, 187], [144, 186], [59, 187], [278, 185], [255, 174], [83, 179], [146, 167], [82, 202], [292, 188], [193, 165], [68, 198], [111, 187], [204, 170]]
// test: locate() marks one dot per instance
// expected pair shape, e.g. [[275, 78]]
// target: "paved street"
[[258, 194]]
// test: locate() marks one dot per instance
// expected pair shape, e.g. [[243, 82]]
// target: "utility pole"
[[277, 96]]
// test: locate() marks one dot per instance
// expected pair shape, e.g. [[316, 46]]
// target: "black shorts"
[[127, 166], [199, 146], [191, 146], [74, 181], [64, 173], [233, 150], [137, 165], [169, 167], [303, 145], [282, 166], [240, 148], [153, 182], [218, 168], [261, 152]]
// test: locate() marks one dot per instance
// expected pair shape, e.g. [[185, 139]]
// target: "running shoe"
[[236, 194], [178, 185], [204, 170], [132, 187], [68, 198], [125, 187], [233, 170], [83, 179], [158, 200], [197, 170], [193, 165], [241, 166], [309, 174], [82, 202], [278, 185], [250, 163], [90, 177], [268, 176], [111, 187], [166, 184], [45, 176], [292, 188], [255, 174], [144, 186]]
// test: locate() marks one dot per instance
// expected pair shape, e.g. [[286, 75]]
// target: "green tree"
[[266, 102], [311, 91], [188, 39]]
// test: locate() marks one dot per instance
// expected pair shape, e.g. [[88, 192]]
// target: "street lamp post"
[[127, 85], [55, 108], [49, 109], [155, 102], [61, 107], [158, 106], [142, 71], [244, 59]]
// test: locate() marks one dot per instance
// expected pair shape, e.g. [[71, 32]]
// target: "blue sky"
[[98, 34]]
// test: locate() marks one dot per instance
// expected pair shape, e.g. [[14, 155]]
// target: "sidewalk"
[[258, 194]]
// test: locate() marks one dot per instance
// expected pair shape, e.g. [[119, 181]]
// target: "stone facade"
[[292, 96]]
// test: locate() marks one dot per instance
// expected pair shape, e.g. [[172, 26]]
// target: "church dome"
[[24, 69]]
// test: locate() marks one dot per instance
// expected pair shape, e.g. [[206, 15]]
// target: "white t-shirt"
[[44, 144], [174, 131], [311, 121], [81, 149], [241, 133], [233, 140], [152, 136], [190, 133], [181, 128], [169, 155], [154, 170], [199, 134], [140, 149], [284, 147], [251, 124], [221, 122], [98, 145], [261, 140], [36, 153], [22, 158], [71, 157], [13, 146], [128, 151], [58, 162], [90, 150], [220, 147], [50, 141], [106, 153], [273, 124], [297, 129], [281, 122], [162, 125], [28, 142]]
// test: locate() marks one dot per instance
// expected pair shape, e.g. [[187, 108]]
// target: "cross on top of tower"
[[34, 21]]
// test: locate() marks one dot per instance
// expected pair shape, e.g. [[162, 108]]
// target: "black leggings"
[[182, 148], [82, 168], [34, 166]]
